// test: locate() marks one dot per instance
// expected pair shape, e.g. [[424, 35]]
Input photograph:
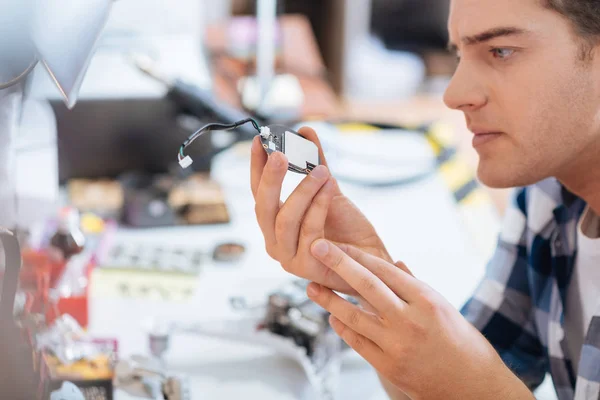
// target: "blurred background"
[[141, 279]]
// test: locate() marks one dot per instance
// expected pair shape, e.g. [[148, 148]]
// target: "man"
[[528, 82]]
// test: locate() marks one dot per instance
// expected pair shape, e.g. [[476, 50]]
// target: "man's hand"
[[412, 336], [316, 209]]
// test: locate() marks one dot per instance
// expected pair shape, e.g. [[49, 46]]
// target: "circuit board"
[[302, 154], [153, 257]]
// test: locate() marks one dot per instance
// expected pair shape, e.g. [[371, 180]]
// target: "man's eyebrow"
[[488, 35]]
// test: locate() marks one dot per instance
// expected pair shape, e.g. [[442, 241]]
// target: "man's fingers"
[[351, 315], [365, 347], [404, 268], [316, 215], [258, 161], [268, 195], [313, 225], [395, 276], [367, 284], [313, 190]]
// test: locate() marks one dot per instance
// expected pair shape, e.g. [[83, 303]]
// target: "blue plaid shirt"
[[519, 305]]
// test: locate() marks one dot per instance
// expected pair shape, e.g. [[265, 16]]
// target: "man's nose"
[[465, 91]]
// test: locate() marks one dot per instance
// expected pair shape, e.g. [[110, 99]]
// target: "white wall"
[[150, 17], [155, 17]]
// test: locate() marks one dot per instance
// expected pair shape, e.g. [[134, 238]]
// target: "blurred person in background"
[[528, 83]]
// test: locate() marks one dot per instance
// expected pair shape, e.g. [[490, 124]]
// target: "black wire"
[[217, 127], [425, 130]]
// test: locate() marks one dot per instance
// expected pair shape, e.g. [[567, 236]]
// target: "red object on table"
[[40, 272]]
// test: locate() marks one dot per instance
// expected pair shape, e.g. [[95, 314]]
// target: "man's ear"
[[593, 59], [590, 53]]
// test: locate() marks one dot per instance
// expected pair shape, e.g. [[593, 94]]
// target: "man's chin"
[[501, 178]]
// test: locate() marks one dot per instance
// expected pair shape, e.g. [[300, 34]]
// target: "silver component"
[[304, 324], [289, 323], [142, 377], [300, 152]]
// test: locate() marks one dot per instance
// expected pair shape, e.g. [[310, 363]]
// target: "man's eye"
[[502, 54]]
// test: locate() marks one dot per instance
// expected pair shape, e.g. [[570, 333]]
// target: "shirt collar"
[[566, 204]]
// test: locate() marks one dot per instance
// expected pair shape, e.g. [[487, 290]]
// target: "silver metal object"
[[288, 323], [143, 377]]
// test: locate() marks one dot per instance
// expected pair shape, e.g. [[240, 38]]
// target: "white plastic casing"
[[186, 162], [265, 132]]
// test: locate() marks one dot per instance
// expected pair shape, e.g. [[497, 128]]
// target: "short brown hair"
[[585, 17]]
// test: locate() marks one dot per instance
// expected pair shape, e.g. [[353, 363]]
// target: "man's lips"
[[482, 137]]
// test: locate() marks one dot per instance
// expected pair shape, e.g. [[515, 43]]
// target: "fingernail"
[[277, 159], [313, 289], [320, 172], [333, 320], [320, 248]]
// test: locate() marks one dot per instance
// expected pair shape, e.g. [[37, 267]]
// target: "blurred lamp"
[[59, 34]]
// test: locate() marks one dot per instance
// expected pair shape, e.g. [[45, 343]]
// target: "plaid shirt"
[[519, 305]]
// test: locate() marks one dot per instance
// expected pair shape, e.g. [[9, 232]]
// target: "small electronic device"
[[144, 377], [302, 154], [291, 314]]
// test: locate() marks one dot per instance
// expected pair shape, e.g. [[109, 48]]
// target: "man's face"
[[531, 101]]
